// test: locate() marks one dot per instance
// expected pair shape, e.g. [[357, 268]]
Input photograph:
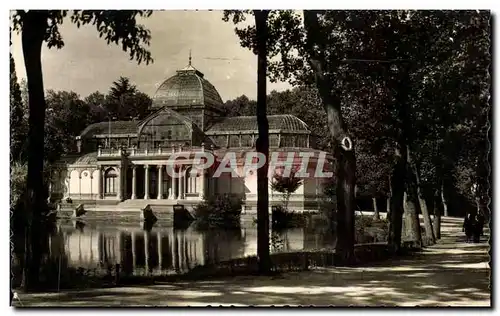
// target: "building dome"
[[187, 88]]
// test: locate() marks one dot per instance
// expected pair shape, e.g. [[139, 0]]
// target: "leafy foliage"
[[115, 26], [220, 211], [413, 80], [286, 184], [18, 174], [18, 126], [67, 115], [124, 101]]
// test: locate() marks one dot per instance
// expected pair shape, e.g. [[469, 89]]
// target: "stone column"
[[132, 235], [103, 184], [69, 183], [181, 183], [160, 182], [175, 183], [146, 182], [91, 188], [124, 183], [119, 189], [134, 179]]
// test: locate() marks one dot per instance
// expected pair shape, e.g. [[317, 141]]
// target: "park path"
[[450, 273]]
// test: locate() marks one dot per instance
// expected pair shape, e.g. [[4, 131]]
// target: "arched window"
[[110, 181]]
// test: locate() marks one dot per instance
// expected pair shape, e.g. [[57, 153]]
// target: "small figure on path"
[[469, 226], [480, 221], [478, 227]]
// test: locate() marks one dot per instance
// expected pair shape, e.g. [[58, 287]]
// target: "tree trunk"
[[437, 216], [33, 32], [397, 198], [346, 168], [429, 232], [262, 145], [443, 200], [376, 215], [343, 147], [411, 223]]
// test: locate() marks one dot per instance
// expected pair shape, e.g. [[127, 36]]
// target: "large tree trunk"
[[397, 198], [262, 145], [376, 214], [346, 179], [343, 145], [429, 232], [411, 222], [437, 215], [33, 32], [444, 201]]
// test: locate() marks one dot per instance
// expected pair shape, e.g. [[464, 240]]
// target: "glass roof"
[[187, 87]]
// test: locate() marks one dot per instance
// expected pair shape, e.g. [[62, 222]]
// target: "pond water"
[[165, 250]]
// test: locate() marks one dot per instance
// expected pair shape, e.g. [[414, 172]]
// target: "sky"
[[87, 64]]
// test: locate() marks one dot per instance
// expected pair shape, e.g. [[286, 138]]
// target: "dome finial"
[[189, 57]]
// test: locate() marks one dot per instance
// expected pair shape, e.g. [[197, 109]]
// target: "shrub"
[[286, 185], [221, 211], [282, 218], [370, 230]]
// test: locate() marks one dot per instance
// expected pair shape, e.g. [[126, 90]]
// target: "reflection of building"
[[124, 160], [161, 252], [135, 251]]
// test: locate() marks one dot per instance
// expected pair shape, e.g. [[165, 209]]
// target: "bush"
[[221, 211], [282, 218], [370, 230]]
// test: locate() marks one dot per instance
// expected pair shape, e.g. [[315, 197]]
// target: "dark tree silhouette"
[[37, 27], [262, 145]]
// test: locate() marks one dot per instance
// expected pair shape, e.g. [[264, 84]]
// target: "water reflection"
[[165, 250]]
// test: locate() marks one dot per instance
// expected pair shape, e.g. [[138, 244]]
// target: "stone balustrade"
[[113, 152]]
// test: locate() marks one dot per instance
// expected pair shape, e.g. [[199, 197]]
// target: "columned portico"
[[154, 181]]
